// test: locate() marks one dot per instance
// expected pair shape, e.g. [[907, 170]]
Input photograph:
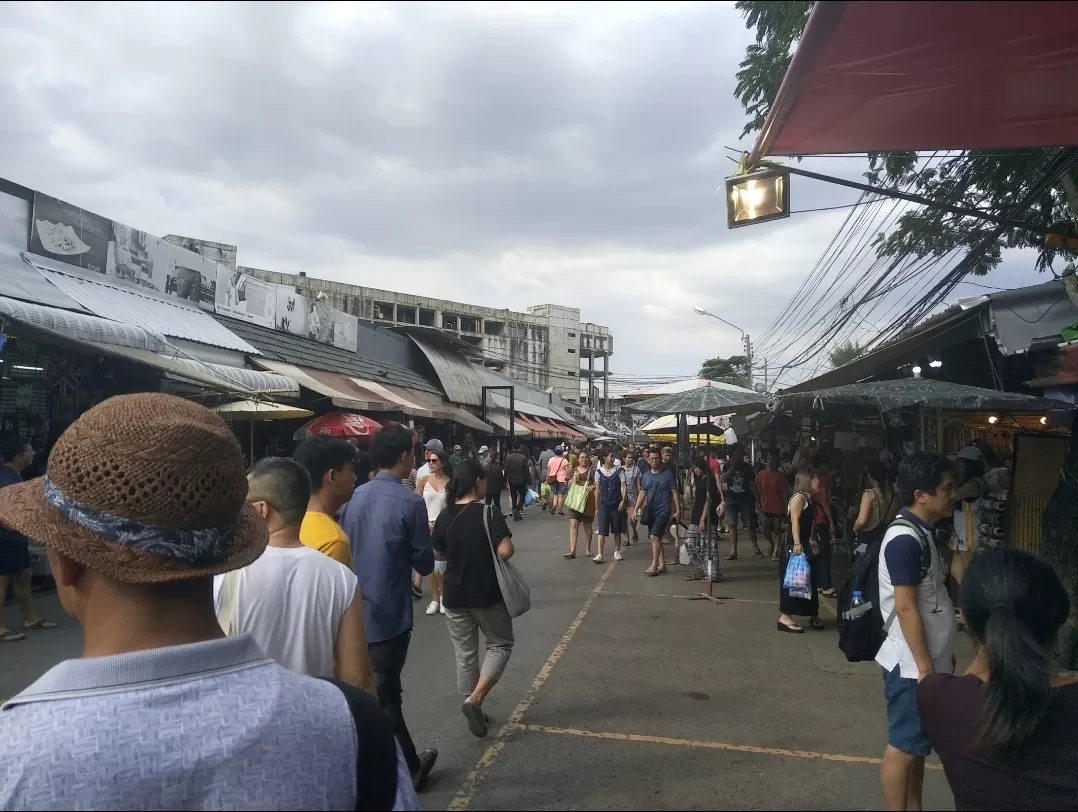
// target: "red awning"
[[909, 76]]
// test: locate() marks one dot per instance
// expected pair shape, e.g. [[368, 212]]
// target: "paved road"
[[623, 695]]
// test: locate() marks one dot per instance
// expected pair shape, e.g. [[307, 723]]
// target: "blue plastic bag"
[[531, 497], [798, 578]]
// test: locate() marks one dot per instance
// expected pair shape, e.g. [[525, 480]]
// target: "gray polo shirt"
[[213, 725]]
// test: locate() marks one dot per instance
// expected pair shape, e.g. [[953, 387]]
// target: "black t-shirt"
[[739, 485], [460, 537], [517, 469], [495, 479], [1043, 775]]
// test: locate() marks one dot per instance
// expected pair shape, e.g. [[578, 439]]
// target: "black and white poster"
[[291, 311], [244, 297], [69, 234], [332, 326], [144, 261]]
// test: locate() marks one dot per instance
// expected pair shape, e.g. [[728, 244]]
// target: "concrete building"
[[544, 347]]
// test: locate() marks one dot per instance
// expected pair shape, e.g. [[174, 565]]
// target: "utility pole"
[[748, 357]]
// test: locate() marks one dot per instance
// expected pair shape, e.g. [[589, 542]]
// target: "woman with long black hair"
[[1005, 730], [466, 534], [880, 504], [702, 540]]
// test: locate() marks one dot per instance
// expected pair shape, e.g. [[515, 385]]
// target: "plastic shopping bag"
[[531, 497], [544, 491], [798, 579]]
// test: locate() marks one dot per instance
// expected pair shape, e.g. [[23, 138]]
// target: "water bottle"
[[858, 599]]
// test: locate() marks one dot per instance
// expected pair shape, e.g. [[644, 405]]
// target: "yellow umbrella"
[[694, 439]]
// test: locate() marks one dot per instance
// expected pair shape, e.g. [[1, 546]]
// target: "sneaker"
[[432, 608], [441, 608], [618, 556], [598, 558], [426, 764]]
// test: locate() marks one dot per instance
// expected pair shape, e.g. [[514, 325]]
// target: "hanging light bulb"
[[993, 420]]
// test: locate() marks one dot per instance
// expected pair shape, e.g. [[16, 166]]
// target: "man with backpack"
[[918, 622]]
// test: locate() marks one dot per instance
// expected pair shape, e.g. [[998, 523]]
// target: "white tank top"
[[435, 501]]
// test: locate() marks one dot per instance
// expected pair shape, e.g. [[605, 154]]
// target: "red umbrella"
[[339, 424]]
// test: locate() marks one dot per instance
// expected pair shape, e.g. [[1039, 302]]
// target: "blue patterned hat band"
[[202, 547]]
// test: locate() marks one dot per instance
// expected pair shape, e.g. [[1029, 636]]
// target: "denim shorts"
[[658, 525], [904, 731], [559, 489], [740, 513]]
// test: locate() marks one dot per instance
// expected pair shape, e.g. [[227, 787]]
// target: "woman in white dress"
[[432, 488]]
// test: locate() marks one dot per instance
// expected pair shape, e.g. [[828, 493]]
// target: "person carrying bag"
[[482, 590]]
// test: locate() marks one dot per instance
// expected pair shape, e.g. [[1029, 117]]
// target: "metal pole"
[[748, 356], [765, 374]]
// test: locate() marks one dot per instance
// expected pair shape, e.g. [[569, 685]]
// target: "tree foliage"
[[843, 353], [991, 180], [733, 370]]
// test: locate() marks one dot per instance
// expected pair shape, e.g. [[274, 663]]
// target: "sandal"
[[829, 593], [40, 623], [569, 555], [650, 572], [782, 627], [732, 557], [11, 636], [759, 554], [816, 623]]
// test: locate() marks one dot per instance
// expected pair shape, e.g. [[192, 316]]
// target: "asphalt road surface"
[[623, 694]]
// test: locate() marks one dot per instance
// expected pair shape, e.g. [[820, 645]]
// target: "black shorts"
[[14, 554], [611, 520]]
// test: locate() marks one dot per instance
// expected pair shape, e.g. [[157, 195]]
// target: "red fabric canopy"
[[898, 76]]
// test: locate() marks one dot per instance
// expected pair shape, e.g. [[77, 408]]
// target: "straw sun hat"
[[144, 489]]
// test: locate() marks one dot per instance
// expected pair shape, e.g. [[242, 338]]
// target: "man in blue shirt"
[[659, 490], [387, 527]]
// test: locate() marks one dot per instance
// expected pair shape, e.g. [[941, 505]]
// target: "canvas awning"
[[906, 392], [703, 401], [904, 76], [363, 395], [501, 421]]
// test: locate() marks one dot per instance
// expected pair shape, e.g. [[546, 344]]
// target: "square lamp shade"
[[757, 198]]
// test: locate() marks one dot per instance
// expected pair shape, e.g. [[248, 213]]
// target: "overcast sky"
[[499, 154]]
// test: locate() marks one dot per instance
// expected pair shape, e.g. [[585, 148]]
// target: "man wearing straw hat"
[[143, 502]]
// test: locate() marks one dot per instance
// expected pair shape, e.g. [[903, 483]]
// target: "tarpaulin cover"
[[703, 401], [897, 76], [905, 392]]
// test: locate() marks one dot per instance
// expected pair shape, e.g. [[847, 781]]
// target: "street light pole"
[[745, 340]]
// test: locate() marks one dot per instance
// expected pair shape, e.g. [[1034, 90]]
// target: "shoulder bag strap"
[[376, 749]]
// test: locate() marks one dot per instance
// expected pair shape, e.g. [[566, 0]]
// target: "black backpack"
[[862, 630], [376, 757]]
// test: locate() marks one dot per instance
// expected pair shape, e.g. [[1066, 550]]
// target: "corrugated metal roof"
[[82, 326], [172, 317], [457, 376], [20, 280], [305, 352], [1031, 317]]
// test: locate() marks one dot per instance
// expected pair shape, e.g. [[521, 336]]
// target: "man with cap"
[[457, 457], [144, 501]]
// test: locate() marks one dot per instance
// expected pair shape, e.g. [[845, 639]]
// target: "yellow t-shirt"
[[321, 531]]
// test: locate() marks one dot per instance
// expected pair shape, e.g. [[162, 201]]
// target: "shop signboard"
[[68, 234], [332, 326], [292, 311], [141, 260], [244, 297]]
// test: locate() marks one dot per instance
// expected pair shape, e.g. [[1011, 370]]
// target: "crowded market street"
[[623, 695]]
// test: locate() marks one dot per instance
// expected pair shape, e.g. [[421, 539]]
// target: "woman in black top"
[[799, 539], [1005, 730], [466, 534], [702, 541], [495, 481]]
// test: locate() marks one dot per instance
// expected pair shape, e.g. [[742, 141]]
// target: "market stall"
[[890, 419]]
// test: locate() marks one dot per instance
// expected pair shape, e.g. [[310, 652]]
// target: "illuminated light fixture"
[[993, 420], [1044, 421], [757, 197], [917, 372], [28, 369], [936, 363]]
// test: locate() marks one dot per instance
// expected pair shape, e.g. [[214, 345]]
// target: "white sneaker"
[[441, 608], [598, 558], [618, 556], [432, 608]]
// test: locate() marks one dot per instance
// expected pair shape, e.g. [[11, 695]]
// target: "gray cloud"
[[492, 153]]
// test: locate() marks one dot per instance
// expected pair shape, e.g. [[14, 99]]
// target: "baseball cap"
[[434, 445]]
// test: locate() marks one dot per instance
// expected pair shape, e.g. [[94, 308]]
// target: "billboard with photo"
[[144, 261], [68, 234], [291, 311], [245, 297], [331, 326]]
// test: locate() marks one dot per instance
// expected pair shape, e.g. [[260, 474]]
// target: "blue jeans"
[[904, 731]]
